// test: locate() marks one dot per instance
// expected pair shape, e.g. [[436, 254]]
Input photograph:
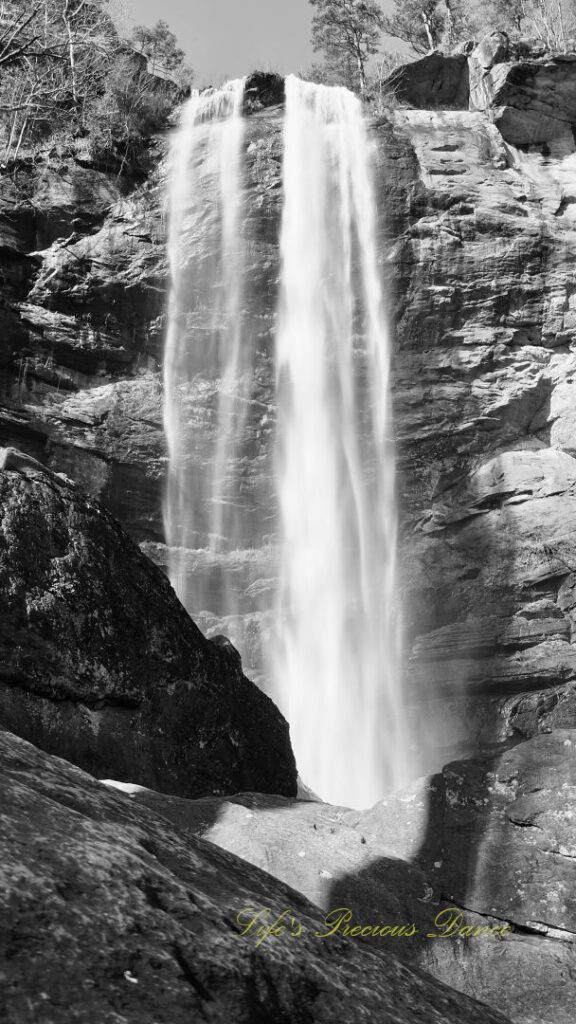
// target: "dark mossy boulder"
[[263, 89], [435, 81], [101, 664]]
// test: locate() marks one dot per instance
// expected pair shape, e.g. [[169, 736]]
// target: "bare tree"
[[429, 25], [552, 21]]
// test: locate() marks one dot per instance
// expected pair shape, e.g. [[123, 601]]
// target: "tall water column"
[[332, 653], [336, 661]]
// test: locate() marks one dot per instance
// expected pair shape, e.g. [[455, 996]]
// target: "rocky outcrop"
[[100, 663], [107, 910], [435, 81], [496, 838], [263, 89], [485, 845], [481, 272], [529, 93], [82, 253], [533, 100]]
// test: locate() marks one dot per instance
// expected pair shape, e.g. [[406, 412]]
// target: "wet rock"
[[100, 664], [263, 89]]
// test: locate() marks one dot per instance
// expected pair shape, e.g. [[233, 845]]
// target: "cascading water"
[[336, 661], [333, 652], [204, 347]]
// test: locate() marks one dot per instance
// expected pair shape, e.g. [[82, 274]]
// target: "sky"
[[229, 38]]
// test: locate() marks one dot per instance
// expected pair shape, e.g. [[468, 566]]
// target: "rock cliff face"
[[82, 257], [100, 663], [477, 247], [477, 239], [482, 279]]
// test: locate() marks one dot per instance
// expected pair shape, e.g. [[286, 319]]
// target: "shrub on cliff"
[[64, 69], [553, 22], [131, 108]]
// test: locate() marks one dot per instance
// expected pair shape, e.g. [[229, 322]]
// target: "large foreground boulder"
[[100, 663], [108, 914], [481, 855]]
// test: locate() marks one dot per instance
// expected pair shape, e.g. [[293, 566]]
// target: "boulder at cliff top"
[[108, 914], [100, 663], [534, 101], [435, 81]]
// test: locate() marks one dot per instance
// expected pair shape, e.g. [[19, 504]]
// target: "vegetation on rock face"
[[551, 21], [442, 24], [161, 49], [67, 74], [429, 25], [348, 33]]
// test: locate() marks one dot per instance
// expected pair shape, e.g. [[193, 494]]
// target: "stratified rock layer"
[[482, 279], [100, 663], [108, 914]]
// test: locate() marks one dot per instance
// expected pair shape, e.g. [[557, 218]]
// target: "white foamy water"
[[204, 350], [336, 651], [333, 654]]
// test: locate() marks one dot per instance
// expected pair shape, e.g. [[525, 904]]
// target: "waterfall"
[[331, 650], [204, 346], [336, 658]]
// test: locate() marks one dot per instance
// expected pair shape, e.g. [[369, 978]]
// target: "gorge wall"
[[476, 180], [476, 242]]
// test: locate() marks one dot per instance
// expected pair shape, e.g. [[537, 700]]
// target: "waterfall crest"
[[336, 657], [204, 345]]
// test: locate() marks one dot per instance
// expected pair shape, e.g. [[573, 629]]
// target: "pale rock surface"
[[493, 839]]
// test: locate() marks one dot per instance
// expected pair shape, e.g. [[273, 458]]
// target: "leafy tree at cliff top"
[[67, 76], [161, 48], [430, 24], [347, 32]]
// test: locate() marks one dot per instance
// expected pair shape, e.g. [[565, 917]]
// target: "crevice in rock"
[[532, 929], [19, 682], [188, 973], [524, 824]]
